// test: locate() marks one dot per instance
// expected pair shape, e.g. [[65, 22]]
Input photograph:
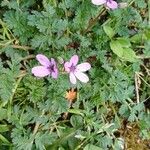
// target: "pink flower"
[[48, 67], [76, 71], [109, 3]]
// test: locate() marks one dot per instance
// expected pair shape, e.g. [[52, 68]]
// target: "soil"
[[132, 139]]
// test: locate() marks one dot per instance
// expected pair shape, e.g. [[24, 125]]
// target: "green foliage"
[[17, 21], [108, 30], [36, 89], [90, 146], [35, 113], [121, 47]]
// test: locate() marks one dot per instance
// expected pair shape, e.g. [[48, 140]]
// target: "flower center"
[[110, 1], [51, 68], [72, 68]]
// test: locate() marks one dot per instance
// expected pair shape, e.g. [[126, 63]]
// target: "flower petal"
[[81, 76], [112, 4], [55, 69], [73, 79], [67, 66], [74, 60], [53, 62], [55, 73], [40, 71], [83, 67], [43, 60], [98, 2]]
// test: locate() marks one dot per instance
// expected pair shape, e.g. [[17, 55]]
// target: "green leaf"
[[66, 135], [91, 147], [140, 3], [124, 42], [17, 21], [137, 38], [76, 111], [42, 139], [3, 113], [121, 47], [109, 31], [76, 121], [116, 48], [4, 140], [4, 128], [129, 55]]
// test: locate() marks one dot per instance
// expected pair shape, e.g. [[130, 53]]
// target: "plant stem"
[[28, 57], [12, 96], [93, 22], [22, 47]]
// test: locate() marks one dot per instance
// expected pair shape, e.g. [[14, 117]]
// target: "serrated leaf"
[[76, 121], [123, 109], [3, 113]]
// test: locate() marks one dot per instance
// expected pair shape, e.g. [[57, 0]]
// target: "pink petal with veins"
[[83, 67], [43, 60], [66, 66], [112, 4], [74, 60], [53, 61], [72, 77], [40, 71], [55, 73], [81, 76], [98, 2]]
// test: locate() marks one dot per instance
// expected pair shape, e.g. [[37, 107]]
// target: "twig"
[[22, 74], [143, 80], [147, 70], [143, 57], [22, 47], [28, 57]]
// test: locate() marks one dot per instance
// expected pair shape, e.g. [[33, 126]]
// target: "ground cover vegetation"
[[74, 74]]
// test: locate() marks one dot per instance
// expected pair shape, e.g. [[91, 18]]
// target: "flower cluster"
[[49, 68], [108, 3]]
